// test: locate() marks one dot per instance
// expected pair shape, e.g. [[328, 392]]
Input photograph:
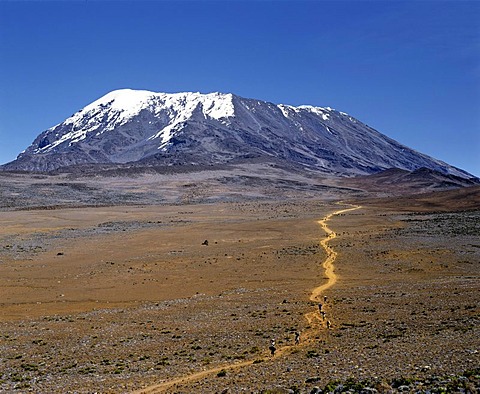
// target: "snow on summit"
[[128, 103], [119, 106], [140, 126]]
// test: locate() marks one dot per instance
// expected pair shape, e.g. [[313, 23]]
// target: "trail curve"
[[310, 316], [328, 263], [331, 254]]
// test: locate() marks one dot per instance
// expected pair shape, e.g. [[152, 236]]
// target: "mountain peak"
[[119, 107], [130, 101], [123, 97], [140, 126]]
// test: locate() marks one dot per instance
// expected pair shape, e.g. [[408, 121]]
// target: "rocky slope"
[[147, 128], [401, 182]]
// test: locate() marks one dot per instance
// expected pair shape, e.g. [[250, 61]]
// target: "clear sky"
[[410, 69]]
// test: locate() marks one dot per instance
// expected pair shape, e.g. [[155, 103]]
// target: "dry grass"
[[113, 299]]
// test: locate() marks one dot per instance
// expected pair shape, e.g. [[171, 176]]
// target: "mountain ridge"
[[140, 126], [400, 182]]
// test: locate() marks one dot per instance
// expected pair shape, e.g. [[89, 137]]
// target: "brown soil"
[[116, 299]]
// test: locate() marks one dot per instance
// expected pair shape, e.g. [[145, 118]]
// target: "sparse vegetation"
[[159, 303], [222, 373]]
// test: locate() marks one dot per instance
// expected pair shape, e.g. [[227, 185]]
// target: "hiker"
[[325, 299], [329, 324], [297, 337], [323, 315], [272, 347], [320, 307]]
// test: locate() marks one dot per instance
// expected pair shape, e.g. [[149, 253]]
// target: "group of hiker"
[[323, 314]]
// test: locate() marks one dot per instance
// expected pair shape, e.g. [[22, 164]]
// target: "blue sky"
[[410, 69]]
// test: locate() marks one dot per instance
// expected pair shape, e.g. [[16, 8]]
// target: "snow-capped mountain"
[[142, 127]]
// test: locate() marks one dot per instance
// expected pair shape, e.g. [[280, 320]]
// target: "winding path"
[[310, 316], [328, 263]]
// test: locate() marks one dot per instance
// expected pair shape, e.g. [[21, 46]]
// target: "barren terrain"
[[184, 295]]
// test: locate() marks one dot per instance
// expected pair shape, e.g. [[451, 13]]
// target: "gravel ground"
[[114, 300]]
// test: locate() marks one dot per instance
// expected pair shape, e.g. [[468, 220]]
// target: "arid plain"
[[178, 284]]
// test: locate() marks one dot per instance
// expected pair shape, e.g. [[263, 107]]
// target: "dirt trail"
[[310, 316], [327, 264], [331, 254], [158, 388]]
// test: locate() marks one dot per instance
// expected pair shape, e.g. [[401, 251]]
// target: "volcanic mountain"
[[144, 128]]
